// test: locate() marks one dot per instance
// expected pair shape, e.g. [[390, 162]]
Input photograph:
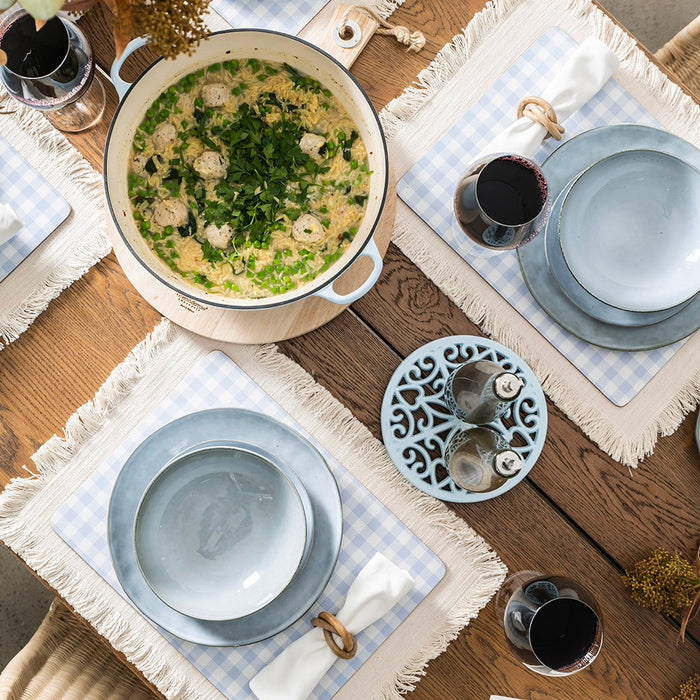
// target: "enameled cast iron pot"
[[225, 46]]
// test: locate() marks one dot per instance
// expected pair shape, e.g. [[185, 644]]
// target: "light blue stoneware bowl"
[[589, 304], [630, 230], [263, 435], [562, 166], [220, 532]]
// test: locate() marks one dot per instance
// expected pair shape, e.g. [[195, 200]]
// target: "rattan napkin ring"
[[330, 626], [542, 113]]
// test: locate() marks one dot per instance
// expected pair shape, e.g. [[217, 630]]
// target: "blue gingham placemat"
[[288, 16], [368, 526], [428, 188], [38, 204]]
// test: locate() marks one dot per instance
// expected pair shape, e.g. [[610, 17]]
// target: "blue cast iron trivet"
[[416, 423]]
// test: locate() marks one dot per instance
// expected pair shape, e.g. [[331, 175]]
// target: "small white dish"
[[219, 533], [629, 230]]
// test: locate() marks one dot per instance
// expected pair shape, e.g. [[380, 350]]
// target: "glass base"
[[468, 247], [82, 114], [508, 587]]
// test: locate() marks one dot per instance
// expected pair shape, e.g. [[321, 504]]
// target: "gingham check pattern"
[[428, 188], [288, 16], [216, 381], [38, 204]]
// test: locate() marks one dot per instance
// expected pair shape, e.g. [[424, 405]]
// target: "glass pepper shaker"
[[481, 460], [480, 392]]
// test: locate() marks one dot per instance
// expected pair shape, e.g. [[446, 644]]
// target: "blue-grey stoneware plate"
[[564, 164], [258, 432], [285, 469], [220, 532], [587, 302], [630, 230]]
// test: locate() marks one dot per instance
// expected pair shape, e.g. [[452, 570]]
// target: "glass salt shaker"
[[480, 391], [481, 460]]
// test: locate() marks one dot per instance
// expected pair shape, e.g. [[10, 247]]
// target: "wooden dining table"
[[579, 512]]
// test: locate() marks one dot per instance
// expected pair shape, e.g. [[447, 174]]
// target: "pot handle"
[[371, 251], [120, 85]]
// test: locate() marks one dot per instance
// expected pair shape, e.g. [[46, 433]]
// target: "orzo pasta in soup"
[[248, 178]]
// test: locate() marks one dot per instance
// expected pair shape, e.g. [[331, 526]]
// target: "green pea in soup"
[[248, 178]]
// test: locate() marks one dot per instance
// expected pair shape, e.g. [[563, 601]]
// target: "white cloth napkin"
[[586, 70], [297, 670], [10, 223]]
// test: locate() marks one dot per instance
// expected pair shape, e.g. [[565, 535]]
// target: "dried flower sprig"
[[667, 583], [664, 582], [172, 26], [690, 690]]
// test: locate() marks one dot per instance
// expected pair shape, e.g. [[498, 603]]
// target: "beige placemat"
[[460, 74], [133, 389], [76, 245]]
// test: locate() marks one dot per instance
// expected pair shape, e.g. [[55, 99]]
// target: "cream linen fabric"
[[10, 223], [298, 669], [473, 572], [584, 73], [76, 245]]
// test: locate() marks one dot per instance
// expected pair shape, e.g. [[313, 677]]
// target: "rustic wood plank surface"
[[578, 512]]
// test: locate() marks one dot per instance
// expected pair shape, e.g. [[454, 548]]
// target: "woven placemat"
[[75, 246], [428, 188], [142, 382], [368, 526], [464, 71]]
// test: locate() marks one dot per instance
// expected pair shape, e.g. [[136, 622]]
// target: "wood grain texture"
[[637, 506], [528, 531], [578, 512]]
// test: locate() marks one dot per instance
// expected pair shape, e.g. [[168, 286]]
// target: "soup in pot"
[[248, 178]]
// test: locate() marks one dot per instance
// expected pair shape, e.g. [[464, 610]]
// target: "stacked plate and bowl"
[[225, 527], [619, 262]]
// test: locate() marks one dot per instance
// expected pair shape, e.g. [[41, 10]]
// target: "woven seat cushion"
[[681, 56], [67, 660]]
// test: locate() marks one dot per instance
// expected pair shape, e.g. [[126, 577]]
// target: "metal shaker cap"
[[507, 386], [507, 463]]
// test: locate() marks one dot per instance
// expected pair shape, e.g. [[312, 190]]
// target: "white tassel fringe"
[[630, 449], [279, 376], [85, 231]]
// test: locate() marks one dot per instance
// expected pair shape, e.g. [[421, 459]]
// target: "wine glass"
[[501, 203], [552, 622], [51, 70]]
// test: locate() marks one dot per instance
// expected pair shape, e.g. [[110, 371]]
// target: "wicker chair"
[[681, 57], [67, 660]]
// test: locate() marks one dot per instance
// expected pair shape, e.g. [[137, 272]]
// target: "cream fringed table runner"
[[133, 390], [462, 72], [77, 244]]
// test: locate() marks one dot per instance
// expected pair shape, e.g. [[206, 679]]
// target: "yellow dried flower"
[[173, 26], [664, 582], [690, 690]]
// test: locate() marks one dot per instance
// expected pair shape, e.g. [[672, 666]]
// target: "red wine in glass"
[[502, 202], [51, 70], [551, 622], [46, 69]]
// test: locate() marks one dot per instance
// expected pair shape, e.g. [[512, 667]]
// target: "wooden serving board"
[[289, 320]]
